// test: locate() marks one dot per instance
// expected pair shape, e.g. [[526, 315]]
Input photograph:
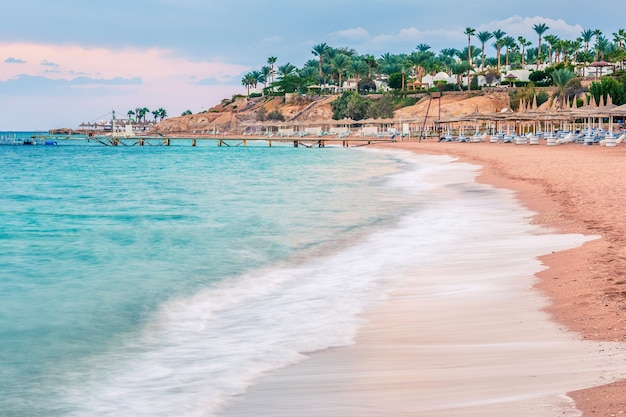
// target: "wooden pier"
[[229, 141]]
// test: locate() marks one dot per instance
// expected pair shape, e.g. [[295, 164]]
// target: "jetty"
[[218, 140]]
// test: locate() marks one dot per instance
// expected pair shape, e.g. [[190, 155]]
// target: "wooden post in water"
[[219, 142], [167, 142], [270, 143], [193, 142], [295, 143], [140, 141]]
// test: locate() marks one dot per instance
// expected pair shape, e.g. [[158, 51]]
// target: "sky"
[[65, 62]]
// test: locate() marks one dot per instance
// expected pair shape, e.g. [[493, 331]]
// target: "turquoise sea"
[[165, 280]]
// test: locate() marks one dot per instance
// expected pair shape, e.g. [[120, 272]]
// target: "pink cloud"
[[168, 80]]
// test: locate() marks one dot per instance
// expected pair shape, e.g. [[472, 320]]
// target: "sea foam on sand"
[[464, 335]]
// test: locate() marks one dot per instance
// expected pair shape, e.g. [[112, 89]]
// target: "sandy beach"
[[574, 189], [555, 349]]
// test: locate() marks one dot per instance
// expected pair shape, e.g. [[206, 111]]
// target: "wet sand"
[[575, 189], [430, 351]]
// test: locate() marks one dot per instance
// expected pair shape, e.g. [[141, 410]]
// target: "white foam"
[[202, 352]]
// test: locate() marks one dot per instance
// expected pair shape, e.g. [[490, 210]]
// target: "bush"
[[276, 115], [395, 81], [540, 78], [609, 86], [261, 114], [367, 85], [352, 105]]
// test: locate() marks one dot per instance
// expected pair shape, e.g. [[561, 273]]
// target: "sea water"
[[166, 280]]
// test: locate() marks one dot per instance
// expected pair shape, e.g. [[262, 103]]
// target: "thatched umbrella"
[[510, 77], [600, 65]]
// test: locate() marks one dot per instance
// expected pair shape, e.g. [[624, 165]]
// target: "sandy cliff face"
[[235, 116], [456, 105]]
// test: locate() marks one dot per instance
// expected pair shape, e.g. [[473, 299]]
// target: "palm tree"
[[247, 81], [483, 37], [130, 114], [562, 78], [389, 63], [257, 77], [340, 62], [576, 45], [603, 47], [622, 37], [459, 69], [320, 50], [597, 33], [559, 49], [449, 52], [271, 61], [372, 64], [586, 36], [266, 73], [508, 43], [552, 45], [422, 47], [531, 54], [498, 35], [327, 72], [155, 113], [540, 29], [523, 43], [286, 70], [358, 68], [419, 62], [469, 32], [140, 112]]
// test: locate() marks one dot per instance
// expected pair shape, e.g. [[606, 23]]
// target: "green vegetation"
[[142, 112], [527, 94], [275, 115], [340, 70], [353, 106], [615, 87]]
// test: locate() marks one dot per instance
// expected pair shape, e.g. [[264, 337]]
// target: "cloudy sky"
[[70, 61]]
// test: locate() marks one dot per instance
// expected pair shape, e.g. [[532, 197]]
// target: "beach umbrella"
[[599, 65], [510, 77]]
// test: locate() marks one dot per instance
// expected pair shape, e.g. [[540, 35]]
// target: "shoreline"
[[573, 189], [448, 342]]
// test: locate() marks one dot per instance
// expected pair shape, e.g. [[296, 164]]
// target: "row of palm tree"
[[331, 66], [141, 112]]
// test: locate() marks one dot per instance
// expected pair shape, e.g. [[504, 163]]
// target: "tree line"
[[330, 66], [140, 114]]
